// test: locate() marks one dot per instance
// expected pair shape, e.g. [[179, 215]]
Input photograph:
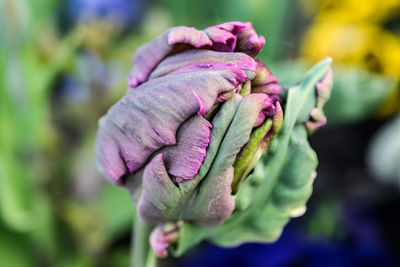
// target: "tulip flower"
[[198, 116], [194, 100]]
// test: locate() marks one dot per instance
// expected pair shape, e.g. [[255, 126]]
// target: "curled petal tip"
[[161, 237], [249, 42], [158, 244], [312, 126], [188, 35], [323, 90]]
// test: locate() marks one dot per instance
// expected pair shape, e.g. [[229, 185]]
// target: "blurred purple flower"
[[124, 13]]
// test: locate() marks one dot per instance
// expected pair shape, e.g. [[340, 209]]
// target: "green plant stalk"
[[151, 259], [140, 248]]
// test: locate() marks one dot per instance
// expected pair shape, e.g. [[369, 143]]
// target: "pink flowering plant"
[[208, 144]]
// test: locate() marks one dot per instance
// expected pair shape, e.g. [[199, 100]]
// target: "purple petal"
[[195, 60], [159, 192], [147, 118], [263, 75], [157, 243], [227, 37], [222, 40], [235, 27], [149, 55], [111, 164], [161, 237], [264, 81], [249, 42], [267, 111], [269, 89], [188, 35], [184, 159], [236, 36]]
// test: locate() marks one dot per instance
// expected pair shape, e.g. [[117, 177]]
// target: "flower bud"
[[181, 133]]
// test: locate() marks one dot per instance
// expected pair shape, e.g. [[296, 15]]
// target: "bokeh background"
[[64, 63]]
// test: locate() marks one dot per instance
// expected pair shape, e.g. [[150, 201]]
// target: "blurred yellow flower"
[[354, 33]]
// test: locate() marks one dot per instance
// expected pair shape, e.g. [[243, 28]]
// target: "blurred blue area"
[[362, 247], [124, 13]]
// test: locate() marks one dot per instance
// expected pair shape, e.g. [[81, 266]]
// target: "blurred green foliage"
[[384, 153], [31, 208], [357, 94]]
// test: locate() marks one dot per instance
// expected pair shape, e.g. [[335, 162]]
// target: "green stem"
[[140, 247], [151, 259]]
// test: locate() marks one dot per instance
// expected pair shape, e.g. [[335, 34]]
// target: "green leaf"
[[15, 250], [286, 200]]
